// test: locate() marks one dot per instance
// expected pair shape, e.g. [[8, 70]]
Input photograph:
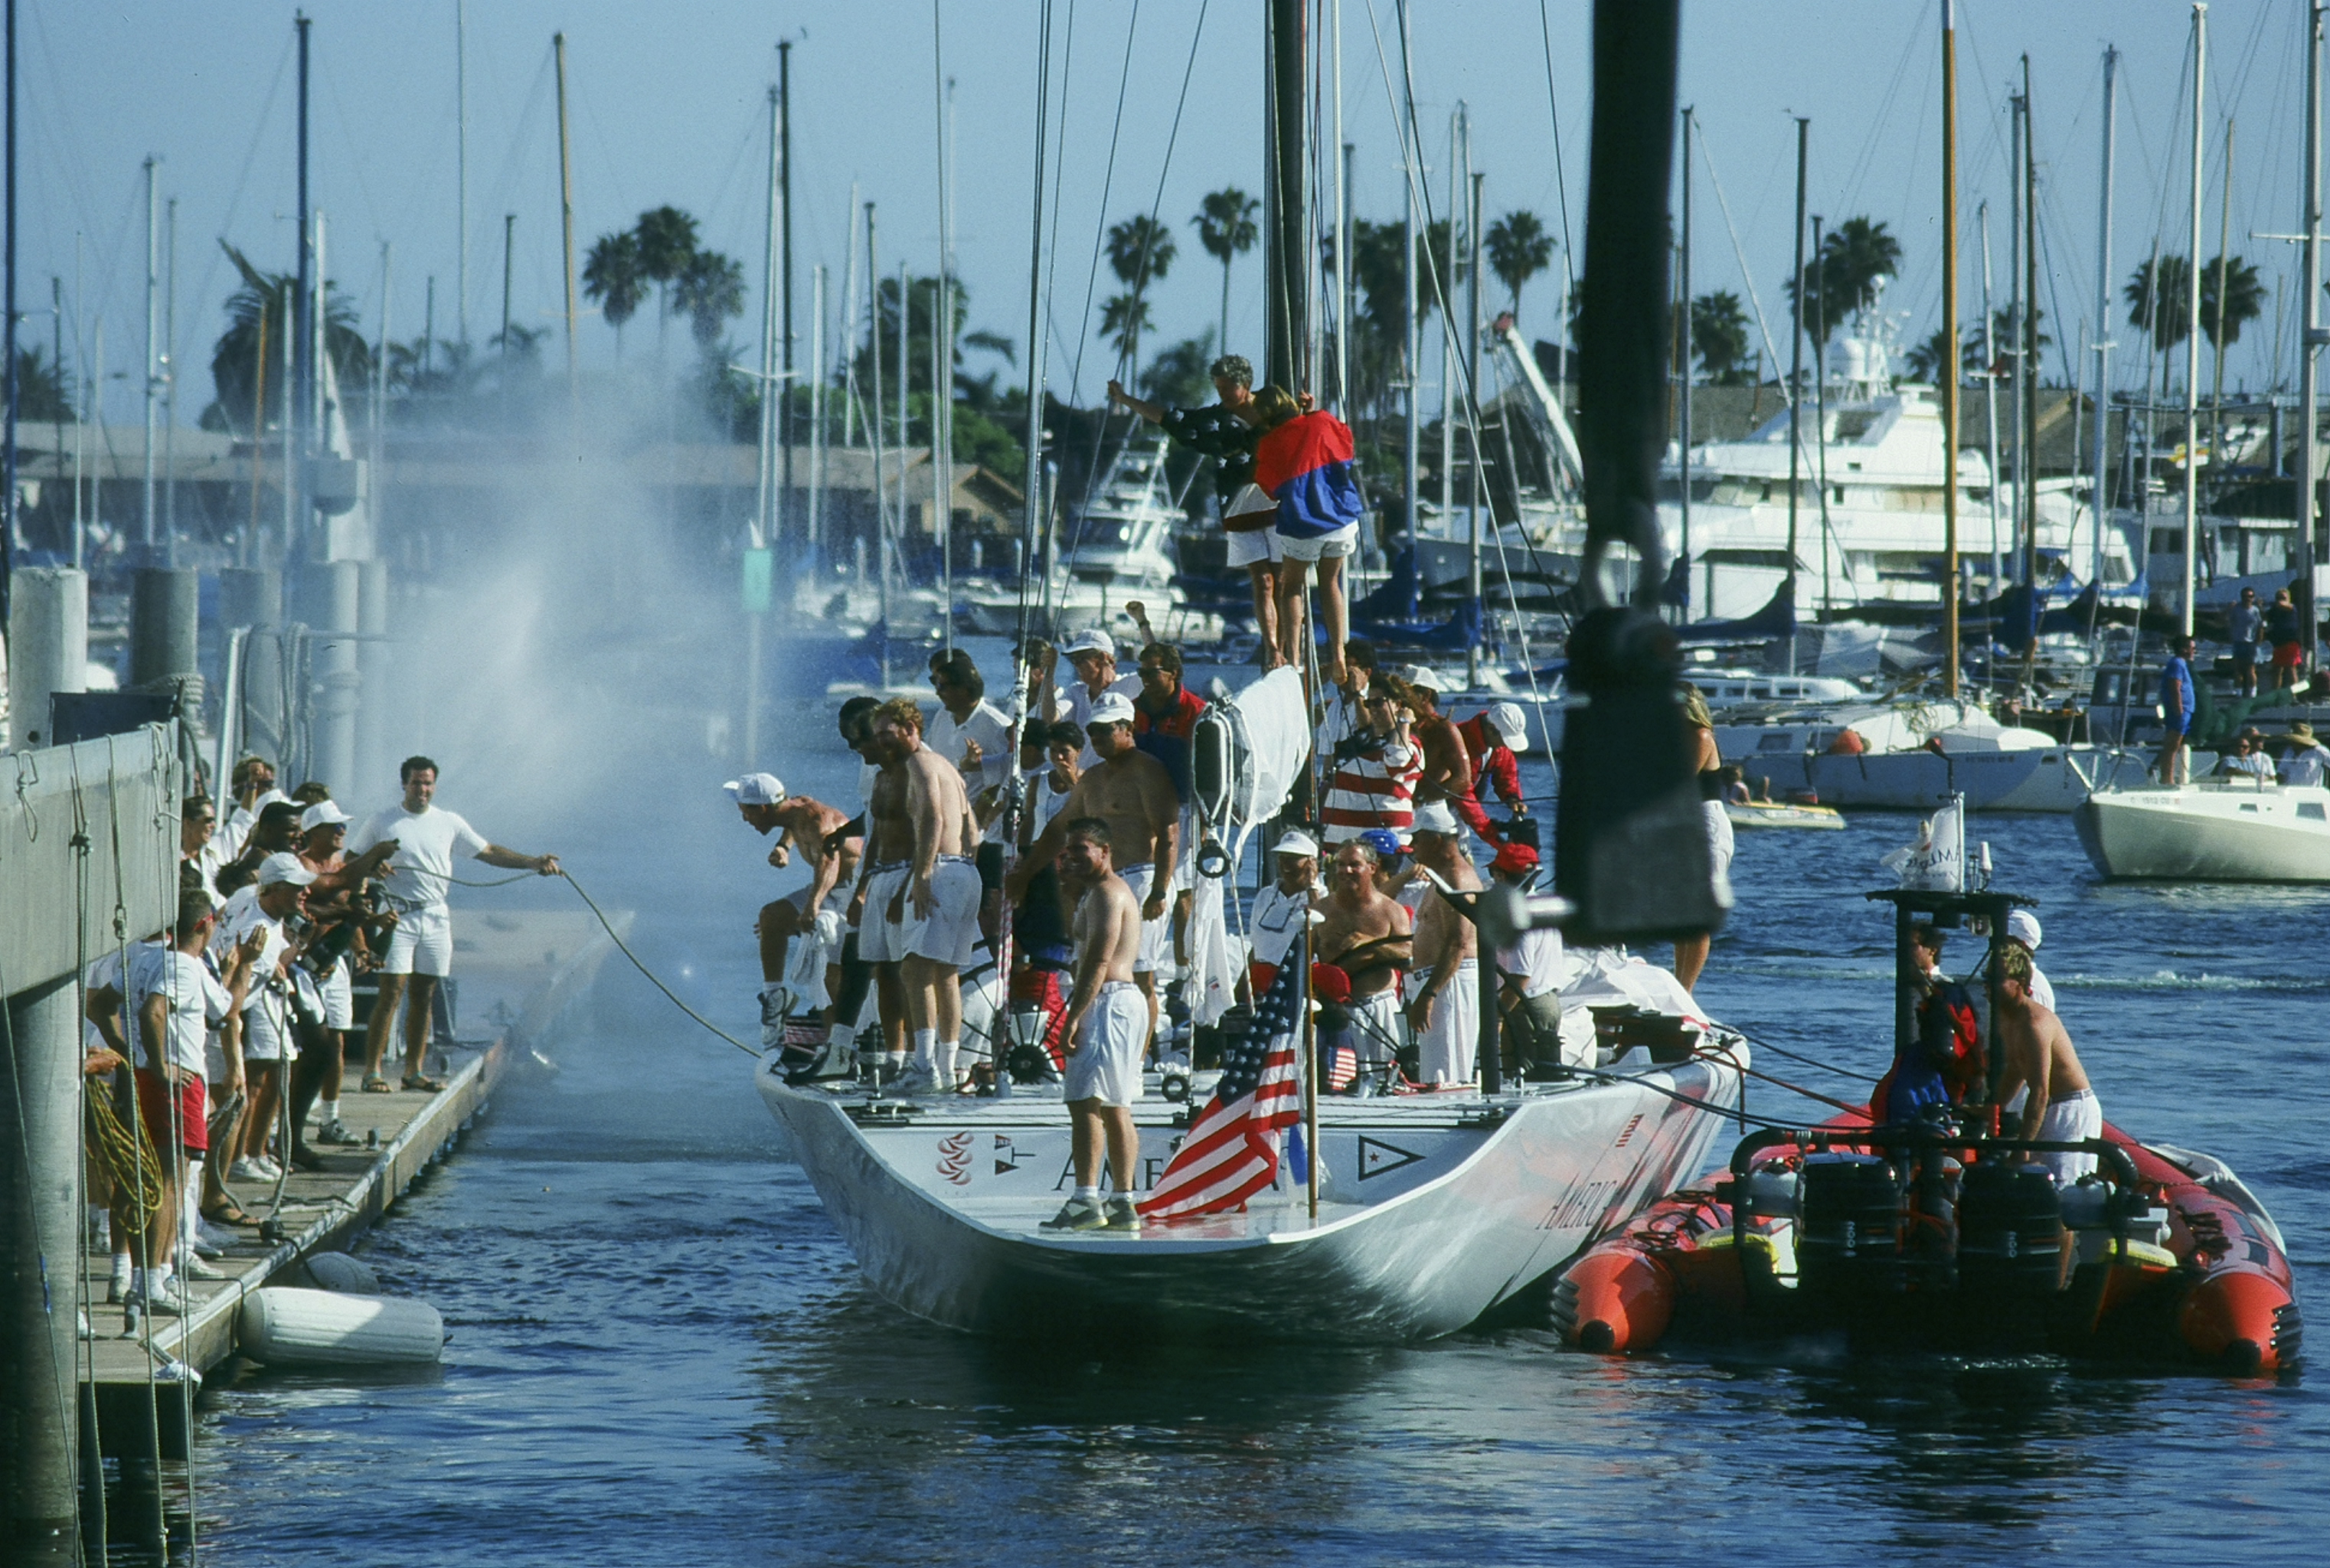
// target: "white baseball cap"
[[1417, 676], [322, 814], [2023, 926], [1434, 816], [756, 789], [1512, 729], [1110, 708], [284, 867], [1094, 641], [1295, 842]]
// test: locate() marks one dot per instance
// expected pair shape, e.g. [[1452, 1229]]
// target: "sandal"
[[425, 1084], [375, 1084], [229, 1213]]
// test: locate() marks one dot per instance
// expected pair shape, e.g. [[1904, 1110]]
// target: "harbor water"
[[661, 1352]]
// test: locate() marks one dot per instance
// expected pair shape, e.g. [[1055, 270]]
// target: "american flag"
[[1232, 1149]]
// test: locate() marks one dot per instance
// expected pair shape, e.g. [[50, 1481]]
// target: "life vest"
[[1942, 1062]]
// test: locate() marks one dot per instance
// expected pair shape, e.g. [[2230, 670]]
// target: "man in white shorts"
[[267, 1042], [927, 916], [1132, 793], [427, 840], [1304, 461], [1108, 1023], [1447, 1011], [333, 905], [2043, 1072]]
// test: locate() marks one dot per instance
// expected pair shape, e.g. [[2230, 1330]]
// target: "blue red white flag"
[[1232, 1149]]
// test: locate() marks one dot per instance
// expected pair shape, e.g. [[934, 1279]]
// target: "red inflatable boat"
[[1918, 1238]]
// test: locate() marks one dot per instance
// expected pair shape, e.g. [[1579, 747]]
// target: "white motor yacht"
[[2231, 830], [1117, 546], [1914, 756]]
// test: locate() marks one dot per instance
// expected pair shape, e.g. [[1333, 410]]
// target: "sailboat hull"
[[2210, 834], [1433, 1210], [2055, 778]]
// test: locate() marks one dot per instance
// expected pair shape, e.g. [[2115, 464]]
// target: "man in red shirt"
[[1491, 740]]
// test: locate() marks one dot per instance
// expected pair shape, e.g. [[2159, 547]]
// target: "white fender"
[[338, 1272], [279, 1326]]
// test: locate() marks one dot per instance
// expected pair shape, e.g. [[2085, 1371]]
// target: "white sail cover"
[[1937, 863]]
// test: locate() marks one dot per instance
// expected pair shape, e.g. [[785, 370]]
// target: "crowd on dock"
[[221, 1040]]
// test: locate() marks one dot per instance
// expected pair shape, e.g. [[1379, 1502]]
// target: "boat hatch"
[[2249, 805], [2311, 811]]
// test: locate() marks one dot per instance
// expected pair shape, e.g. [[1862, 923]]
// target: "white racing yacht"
[[1912, 756], [2230, 830]]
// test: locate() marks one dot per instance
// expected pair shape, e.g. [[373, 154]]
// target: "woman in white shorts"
[[1691, 952]]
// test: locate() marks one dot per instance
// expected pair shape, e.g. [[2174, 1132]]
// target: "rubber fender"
[[2231, 1320], [1626, 1300], [338, 1272], [281, 1326]]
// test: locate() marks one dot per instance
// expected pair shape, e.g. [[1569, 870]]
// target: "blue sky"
[[669, 106]]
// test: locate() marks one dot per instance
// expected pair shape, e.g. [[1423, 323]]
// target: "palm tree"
[[1139, 249], [667, 240], [1518, 249], [1718, 331], [2244, 297], [42, 393], [709, 291], [2156, 296], [1226, 228], [614, 280], [234, 358], [1855, 259], [1123, 318]]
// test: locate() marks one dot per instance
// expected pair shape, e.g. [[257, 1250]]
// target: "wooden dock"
[[517, 973]]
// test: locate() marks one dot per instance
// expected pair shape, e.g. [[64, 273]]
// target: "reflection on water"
[[661, 1353]]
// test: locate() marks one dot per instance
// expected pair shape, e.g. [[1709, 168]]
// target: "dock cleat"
[[1123, 1216], [1076, 1215]]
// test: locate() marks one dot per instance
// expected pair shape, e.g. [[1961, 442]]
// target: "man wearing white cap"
[[1131, 791], [1445, 1012], [766, 807], [332, 904], [1092, 656], [1447, 774], [421, 949], [1492, 741], [2022, 926], [1370, 937], [1279, 910], [279, 893]]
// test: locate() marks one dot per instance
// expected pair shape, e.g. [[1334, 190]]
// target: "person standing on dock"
[[335, 903], [2044, 1071], [258, 912], [1445, 1013], [1107, 1023], [1132, 792], [2288, 638], [2177, 700], [421, 949], [1225, 431], [929, 922]]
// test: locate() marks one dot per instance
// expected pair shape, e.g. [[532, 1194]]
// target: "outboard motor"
[[1848, 1227], [2009, 1236]]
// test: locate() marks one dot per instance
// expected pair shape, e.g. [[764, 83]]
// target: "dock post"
[[373, 762], [253, 597], [48, 647], [164, 626], [40, 1306], [333, 611]]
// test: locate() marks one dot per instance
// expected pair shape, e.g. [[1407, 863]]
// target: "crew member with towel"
[[1304, 462]]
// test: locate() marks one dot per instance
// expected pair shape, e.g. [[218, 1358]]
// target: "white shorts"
[[2070, 1118], [421, 943], [1155, 935], [880, 938], [1720, 837], [1254, 547], [950, 932], [1343, 541], [1447, 1052], [1376, 1032], [1106, 1062], [339, 997], [264, 1035]]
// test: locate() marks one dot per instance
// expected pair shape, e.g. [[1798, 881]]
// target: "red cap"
[[1331, 984], [1514, 857]]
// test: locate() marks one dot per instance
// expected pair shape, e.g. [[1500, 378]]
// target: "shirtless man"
[[2059, 1105], [1132, 792], [796, 819], [1105, 1024], [1446, 1012], [930, 916], [1370, 938], [1447, 770]]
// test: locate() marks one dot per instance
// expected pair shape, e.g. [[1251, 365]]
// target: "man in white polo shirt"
[[420, 948]]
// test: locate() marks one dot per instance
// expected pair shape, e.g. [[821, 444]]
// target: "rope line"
[[653, 979]]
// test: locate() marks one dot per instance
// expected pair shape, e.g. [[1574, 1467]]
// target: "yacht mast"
[[2027, 328], [566, 211], [2193, 324], [1682, 467], [1990, 398], [1796, 376], [2311, 288], [1950, 341], [1410, 448], [2100, 497]]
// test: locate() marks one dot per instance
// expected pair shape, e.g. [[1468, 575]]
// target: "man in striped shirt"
[[1373, 783]]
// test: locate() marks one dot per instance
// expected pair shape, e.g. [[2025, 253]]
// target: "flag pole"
[[1310, 1071]]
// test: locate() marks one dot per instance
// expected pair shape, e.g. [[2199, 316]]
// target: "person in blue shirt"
[[2176, 704]]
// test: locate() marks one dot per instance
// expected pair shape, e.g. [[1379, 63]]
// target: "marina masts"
[[1682, 275], [297, 434], [1949, 373], [153, 331], [784, 386], [1796, 374], [2192, 324], [1411, 435], [1288, 255], [8, 348], [565, 206], [2100, 495], [2310, 270], [764, 522], [2027, 364]]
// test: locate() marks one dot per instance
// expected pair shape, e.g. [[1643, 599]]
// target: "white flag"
[[1937, 863]]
